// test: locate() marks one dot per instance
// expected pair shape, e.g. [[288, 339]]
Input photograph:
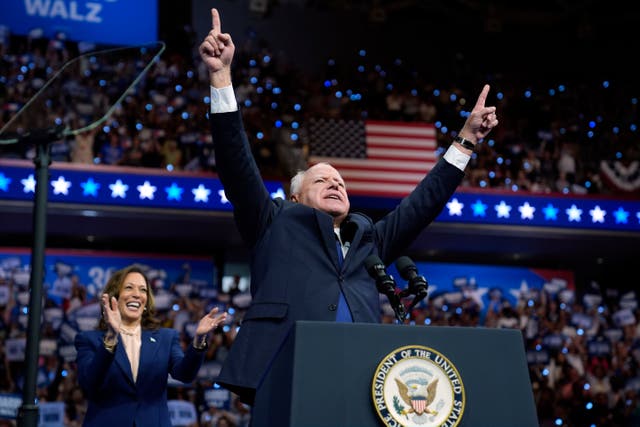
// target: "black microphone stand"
[[385, 285], [416, 284], [416, 299], [400, 312], [42, 138]]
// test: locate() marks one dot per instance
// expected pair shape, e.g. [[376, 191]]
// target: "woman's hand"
[[111, 314], [208, 323]]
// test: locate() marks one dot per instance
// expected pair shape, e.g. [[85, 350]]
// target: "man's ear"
[[294, 198]]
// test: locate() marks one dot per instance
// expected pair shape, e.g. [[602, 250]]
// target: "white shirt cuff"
[[223, 100], [457, 158]]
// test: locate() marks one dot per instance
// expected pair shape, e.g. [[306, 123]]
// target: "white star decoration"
[[476, 295], [597, 214], [118, 189], [574, 213], [61, 186], [278, 193], [146, 191], [455, 207], [526, 211], [522, 292], [503, 209], [29, 184], [201, 194]]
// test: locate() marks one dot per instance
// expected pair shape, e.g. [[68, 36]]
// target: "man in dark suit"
[[307, 253]]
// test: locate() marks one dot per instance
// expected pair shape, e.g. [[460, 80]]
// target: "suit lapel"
[[148, 349], [122, 360], [325, 223]]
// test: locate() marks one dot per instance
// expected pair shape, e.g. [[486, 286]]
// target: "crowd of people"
[[583, 350], [555, 134]]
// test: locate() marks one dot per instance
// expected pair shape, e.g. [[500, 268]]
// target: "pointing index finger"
[[483, 97], [215, 20]]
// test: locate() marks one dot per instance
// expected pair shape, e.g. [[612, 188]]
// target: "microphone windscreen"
[[405, 265], [371, 262]]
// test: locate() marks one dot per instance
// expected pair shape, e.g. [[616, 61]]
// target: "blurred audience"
[[582, 347], [561, 137]]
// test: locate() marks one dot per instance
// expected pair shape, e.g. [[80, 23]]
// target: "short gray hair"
[[296, 182]]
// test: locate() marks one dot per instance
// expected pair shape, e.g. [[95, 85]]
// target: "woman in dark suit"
[[123, 365]]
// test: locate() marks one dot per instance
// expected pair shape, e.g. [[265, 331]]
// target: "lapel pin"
[[152, 339]]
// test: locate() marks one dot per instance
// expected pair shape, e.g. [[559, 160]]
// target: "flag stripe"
[[379, 189], [375, 158], [365, 176], [386, 141], [381, 165], [386, 153], [400, 128]]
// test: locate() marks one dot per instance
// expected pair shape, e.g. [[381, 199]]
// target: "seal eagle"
[[418, 397]]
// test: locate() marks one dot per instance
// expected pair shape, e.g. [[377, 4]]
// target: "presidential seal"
[[419, 387]]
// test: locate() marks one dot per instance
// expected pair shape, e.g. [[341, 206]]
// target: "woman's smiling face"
[[132, 299]]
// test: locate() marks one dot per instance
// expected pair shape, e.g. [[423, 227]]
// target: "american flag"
[[375, 158]]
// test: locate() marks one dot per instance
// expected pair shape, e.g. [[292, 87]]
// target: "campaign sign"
[[113, 22], [182, 413], [218, 398], [9, 404], [51, 414], [14, 349]]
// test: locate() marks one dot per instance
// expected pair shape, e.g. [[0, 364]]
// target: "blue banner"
[[116, 22], [476, 206], [488, 287], [155, 188], [65, 269], [120, 186]]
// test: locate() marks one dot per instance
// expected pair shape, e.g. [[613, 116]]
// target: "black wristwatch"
[[465, 143]]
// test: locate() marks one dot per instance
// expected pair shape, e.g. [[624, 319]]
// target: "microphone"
[[385, 284], [417, 284]]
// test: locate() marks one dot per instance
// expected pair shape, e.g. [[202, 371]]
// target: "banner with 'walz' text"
[[113, 22]]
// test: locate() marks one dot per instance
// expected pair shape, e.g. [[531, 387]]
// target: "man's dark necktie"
[[343, 314]]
